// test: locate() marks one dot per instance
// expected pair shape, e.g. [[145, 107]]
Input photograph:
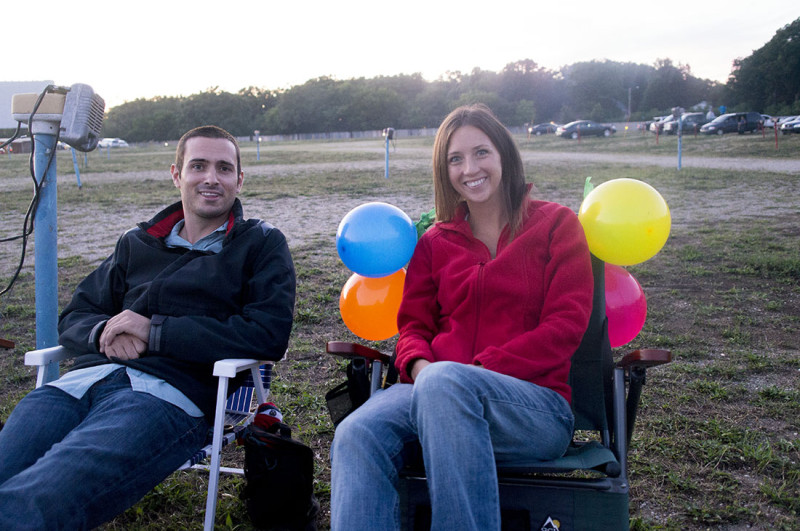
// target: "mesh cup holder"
[[350, 394]]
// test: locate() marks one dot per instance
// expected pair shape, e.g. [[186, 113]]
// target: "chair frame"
[[236, 410]]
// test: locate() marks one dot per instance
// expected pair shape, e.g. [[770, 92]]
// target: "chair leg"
[[47, 373], [375, 378], [216, 450], [620, 431]]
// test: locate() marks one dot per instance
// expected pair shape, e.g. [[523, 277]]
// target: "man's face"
[[208, 180]]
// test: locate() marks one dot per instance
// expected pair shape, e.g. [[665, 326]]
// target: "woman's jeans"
[[74, 464], [466, 419]]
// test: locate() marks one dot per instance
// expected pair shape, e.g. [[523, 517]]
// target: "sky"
[[143, 49]]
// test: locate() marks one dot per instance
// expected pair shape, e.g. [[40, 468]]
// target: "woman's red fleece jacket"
[[522, 313]]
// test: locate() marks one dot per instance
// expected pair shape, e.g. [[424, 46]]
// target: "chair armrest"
[[356, 350], [41, 357], [229, 368], [644, 358]]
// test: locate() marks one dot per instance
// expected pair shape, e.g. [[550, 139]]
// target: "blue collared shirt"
[[77, 382], [211, 242]]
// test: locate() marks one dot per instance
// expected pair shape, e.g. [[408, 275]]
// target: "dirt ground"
[[304, 218]]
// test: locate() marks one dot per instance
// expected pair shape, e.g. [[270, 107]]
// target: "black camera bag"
[[279, 493]]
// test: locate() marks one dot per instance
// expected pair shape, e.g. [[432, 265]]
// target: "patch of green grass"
[[786, 399], [737, 336], [713, 390], [690, 253], [785, 494], [19, 311]]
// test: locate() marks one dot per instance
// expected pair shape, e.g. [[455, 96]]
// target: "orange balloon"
[[369, 305]]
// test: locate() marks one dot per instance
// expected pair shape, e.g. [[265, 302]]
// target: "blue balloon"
[[376, 239]]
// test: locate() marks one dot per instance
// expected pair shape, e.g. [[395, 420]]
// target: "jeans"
[[466, 419], [74, 464]]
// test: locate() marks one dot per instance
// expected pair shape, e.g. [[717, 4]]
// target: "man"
[[195, 284]]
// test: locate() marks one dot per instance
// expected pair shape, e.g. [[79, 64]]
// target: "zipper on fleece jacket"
[[478, 306]]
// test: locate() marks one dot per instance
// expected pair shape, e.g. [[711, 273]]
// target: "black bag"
[[353, 392], [350, 394], [279, 493]]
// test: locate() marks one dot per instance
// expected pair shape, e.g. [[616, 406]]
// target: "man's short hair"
[[206, 131]]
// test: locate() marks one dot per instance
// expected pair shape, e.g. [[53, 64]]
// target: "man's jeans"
[[466, 419], [74, 464]]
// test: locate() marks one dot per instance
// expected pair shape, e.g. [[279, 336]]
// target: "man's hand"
[[124, 347], [127, 322]]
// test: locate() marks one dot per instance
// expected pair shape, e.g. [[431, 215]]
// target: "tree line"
[[523, 92]]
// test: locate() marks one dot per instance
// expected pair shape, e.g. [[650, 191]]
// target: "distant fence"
[[343, 135], [399, 133]]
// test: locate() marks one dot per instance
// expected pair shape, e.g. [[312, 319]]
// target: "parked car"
[[767, 120], [790, 125], [111, 142], [658, 124], [692, 121], [645, 126], [796, 126], [580, 128], [729, 123], [542, 129]]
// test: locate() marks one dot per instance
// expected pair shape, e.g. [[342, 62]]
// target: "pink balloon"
[[626, 306]]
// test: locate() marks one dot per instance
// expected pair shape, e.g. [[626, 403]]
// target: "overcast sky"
[[141, 49]]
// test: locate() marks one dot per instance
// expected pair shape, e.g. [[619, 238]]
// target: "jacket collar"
[[459, 223], [161, 224]]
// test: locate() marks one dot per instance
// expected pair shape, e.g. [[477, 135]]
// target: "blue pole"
[[680, 140], [386, 173], [77, 170], [46, 247], [258, 148]]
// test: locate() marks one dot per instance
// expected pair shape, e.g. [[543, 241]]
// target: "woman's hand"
[[417, 367]]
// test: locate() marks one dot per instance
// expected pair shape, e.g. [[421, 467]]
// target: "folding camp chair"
[[232, 412], [587, 488]]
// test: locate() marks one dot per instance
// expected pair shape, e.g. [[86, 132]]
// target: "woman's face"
[[474, 167]]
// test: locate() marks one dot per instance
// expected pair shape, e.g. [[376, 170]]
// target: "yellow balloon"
[[626, 221]]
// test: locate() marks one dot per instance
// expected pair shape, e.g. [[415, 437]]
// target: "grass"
[[716, 444]]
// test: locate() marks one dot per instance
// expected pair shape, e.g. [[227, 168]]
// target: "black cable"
[[14, 137], [30, 215], [37, 184]]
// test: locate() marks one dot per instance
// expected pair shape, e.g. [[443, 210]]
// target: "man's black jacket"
[[203, 307]]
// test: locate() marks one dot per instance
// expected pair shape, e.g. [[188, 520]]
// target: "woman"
[[497, 297]]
